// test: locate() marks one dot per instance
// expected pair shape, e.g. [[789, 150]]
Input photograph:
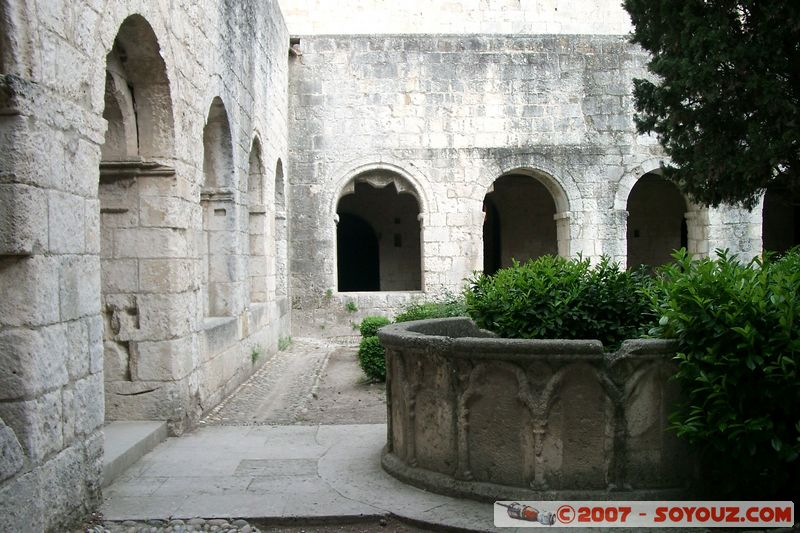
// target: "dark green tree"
[[724, 100]]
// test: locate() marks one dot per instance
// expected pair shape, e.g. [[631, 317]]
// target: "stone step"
[[128, 441]]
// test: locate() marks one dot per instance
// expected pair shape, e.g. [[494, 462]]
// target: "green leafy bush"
[[447, 307], [738, 332], [372, 358], [553, 297], [370, 325]]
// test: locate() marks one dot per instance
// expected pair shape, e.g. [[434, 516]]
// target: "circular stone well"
[[474, 415]]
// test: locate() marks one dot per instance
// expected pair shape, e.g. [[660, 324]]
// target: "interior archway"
[[657, 223], [519, 222], [393, 217]]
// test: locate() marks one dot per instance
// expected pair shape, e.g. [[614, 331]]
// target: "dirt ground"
[[312, 382], [344, 395]]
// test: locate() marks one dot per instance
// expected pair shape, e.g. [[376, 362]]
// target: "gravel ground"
[[312, 382]]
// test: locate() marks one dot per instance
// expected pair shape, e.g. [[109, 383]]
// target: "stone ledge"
[[127, 442]]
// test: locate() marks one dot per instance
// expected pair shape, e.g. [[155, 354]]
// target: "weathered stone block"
[[150, 243], [11, 456], [224, 298], [21, 505], [165, 316], [23, 219], [67, 469], [66, 223], [119, 275], [32, 361], [218, 335], [95, 332], [223, 243], [37, 424], [92, 226], [222, 216], [167, 275], [164, 212], [30, 288], [257, 245], [144, 400], [117, 361], [87, 409], [165, 360], [77, 349], [79, 290]]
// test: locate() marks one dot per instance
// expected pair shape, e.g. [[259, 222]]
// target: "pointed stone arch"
[[218, 202], [217, 149], [379, 233], [136, 158], [280, 233], [137, 77], [257, 263]]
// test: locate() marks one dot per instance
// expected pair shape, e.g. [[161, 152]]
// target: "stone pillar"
[[735, 229], [51, 381], [564, 233], [225, 273], [614, 241]]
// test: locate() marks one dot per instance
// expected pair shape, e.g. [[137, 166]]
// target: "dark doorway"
[[519, 222], [382, 202], [656, 221], [780, 228], [358, 255], [491, 237]]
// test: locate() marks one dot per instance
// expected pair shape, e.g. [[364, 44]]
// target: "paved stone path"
[[280, 474], [314, 381], [279, 392]]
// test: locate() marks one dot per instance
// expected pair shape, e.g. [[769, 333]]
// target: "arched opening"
[[656, 221], [219, 217], [359, 255], [780, 229], [376, 205], [137, 78], [519, 222], [280, 233], [133, 212], [257, 264]]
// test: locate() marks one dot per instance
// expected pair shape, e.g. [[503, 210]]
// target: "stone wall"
[[102, 249], [449, 115], [456, 16]]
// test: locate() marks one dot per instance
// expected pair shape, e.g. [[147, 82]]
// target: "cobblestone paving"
[[280, 391], [383, 525], [220, 525]]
